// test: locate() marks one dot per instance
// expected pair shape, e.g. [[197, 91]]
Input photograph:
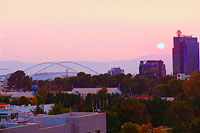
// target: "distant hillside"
[[130, 66]]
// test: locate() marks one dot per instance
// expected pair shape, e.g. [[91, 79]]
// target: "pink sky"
[[93, 30]]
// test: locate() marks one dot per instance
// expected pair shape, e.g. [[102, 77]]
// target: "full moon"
[[160, 45]]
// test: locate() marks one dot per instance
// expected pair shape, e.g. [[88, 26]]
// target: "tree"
[[34, 101], [39, 99], [130, 128], [157, 108], [165, 79], [112, 122], [15, 101], [133, 111], [49, 98], [57, 109], [195, 126], [6, 100], [179, 112], [104, 90], [142, 85], [19, 81], [42, 91], [173, 88], [191, 87], [145, 128], [24, 101]]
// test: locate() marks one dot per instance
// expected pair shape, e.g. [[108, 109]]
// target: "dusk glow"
[[37, 31]]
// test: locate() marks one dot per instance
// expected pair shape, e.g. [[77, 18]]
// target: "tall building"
[[152, 69], [115, 70], [185, 54]]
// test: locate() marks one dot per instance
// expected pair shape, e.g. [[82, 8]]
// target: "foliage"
[[38, 110], [39, 99], [191, 87], [42, 91], [15, 101], [165, 79], [34, 101], [104, 90], [173, 88], [56, 109], [145, 128], [6, 99], [112, 122], [130, 128], [195, 126], [157, 109], [179, 112], [24, 101], [49, 98], [19, 80], [133, 111]]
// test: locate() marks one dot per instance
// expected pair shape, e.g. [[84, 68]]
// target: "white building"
[[28, 94], [182, 76], [84, 91]]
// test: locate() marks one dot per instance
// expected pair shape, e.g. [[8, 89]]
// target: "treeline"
[[128, 84]]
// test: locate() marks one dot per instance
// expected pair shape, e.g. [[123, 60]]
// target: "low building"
[[152, 69], [84, 91], [142, 97], [28, 94], [115, 70], [74, 122], [65, 92], [182, 76], [3, 82]]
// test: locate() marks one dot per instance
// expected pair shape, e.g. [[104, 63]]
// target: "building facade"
[[74, 122], [84, 91], [185, 54], [152, 69], [115, 70]]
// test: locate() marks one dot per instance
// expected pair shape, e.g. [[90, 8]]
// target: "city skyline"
[[42, 31]]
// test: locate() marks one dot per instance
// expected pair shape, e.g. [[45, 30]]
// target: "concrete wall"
[[29, 128], [57, 129], [68, 123], [91, 123]]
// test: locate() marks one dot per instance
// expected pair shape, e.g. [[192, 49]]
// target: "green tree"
[[6, 100], [165, 79], [39, 99], [19, 80], [157, 109], [173, 88], [179, 112], [112, 122], [195, 126], [34, 101], [24, 101], [191, 87], [130, 128], [42, 91], [49, 98], [57, 109], [15, 101], [133, 111]]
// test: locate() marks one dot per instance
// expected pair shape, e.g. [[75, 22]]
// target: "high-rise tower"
[[185, 54]]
